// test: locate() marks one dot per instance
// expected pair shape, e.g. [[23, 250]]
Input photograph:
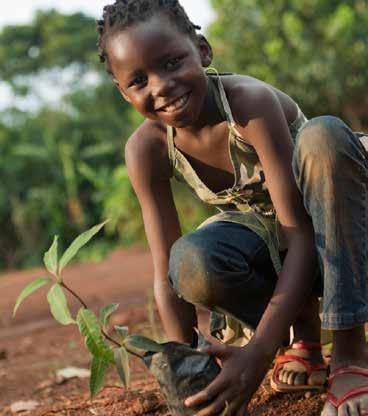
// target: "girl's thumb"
[[215, 349]]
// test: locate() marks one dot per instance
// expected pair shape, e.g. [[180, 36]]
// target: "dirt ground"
[[33, 347]]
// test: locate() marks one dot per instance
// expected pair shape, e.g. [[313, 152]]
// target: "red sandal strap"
[[304, 345], [337, 402], [288, 358], [348, 370]]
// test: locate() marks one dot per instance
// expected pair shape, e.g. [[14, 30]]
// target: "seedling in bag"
[[180, 369]]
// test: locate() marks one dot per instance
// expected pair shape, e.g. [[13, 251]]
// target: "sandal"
[[337, 402], [281, 360]]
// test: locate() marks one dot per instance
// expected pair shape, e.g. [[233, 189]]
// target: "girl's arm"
[[261, 121], [265, 126], [149, 172]]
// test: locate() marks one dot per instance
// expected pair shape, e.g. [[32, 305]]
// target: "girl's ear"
[[205, 51], [126, 98]]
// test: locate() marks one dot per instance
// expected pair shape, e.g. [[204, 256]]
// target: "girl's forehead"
[[152, 37]]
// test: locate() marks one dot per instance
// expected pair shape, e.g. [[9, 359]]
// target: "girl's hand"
[[243, 369]]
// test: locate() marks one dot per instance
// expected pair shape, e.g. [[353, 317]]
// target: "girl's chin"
[[180, 123], [184, 119], [177, 121]]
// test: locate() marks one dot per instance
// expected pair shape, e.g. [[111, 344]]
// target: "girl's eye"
[[173, 63], [139, 81]]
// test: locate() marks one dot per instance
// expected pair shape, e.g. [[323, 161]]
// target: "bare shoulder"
[[149, 137], [250, 98], [146, 150]]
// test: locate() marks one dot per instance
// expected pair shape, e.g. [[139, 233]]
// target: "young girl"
[[286, 188]]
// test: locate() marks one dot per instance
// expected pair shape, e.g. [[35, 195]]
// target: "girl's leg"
[[331, 170], [307, 328], [226, 267]]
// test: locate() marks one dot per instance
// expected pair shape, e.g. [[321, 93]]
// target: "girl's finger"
[[218, 350], [217, 406], [239, 404], [243, 411], [214, 389]]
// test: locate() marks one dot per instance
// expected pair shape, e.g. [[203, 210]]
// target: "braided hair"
[[124, 13]]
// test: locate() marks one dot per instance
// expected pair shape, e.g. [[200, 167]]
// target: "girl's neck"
[[209, 116]]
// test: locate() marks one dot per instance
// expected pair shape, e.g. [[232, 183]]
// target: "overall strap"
[[225, 109], [224, 101], [170, 145]]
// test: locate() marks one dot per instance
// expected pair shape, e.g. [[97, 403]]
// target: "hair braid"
[[123, 13]]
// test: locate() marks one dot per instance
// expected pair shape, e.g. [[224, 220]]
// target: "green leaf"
[[122, 365], [51, 257], [90, 328], [78, 243], [139, 344], [98, 371], [122, 331], [106, 312], [30, 288], [59, 306]]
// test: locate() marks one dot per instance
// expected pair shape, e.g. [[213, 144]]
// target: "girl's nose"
[[162, 86]]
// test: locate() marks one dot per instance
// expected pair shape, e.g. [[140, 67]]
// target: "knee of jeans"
[[188, 271], [322, 140]]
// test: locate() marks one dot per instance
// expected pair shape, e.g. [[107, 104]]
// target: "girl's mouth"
[[176, 105]]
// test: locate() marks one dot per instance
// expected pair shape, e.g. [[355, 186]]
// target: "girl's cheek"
[[139, 103]]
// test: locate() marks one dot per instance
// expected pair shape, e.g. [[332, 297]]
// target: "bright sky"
[[21, 11]]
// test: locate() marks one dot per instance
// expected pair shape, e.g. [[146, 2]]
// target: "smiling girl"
[[286, 188]]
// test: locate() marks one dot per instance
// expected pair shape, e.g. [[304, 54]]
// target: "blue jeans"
[[226, 267]]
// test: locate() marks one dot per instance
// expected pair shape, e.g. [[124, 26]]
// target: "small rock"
[[71, 372], [23, 406]]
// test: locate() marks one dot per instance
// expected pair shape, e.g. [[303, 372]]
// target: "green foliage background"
[[61, 163], [314, 50]]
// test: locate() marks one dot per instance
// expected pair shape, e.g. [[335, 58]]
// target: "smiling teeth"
[[176, 104]]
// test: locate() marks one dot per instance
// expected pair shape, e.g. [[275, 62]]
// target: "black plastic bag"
[[181, 372]]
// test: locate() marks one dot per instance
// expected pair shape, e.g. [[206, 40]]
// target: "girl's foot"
[[301, 367], [348, 382], [348, 392]]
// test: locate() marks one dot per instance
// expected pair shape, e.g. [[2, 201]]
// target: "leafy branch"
[[90, 326]]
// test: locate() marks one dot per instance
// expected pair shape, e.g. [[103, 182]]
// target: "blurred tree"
[[314, 50], [52, 40], [79, 117], [61, 145]]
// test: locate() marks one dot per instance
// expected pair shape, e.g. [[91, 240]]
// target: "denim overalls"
[[230, 263]]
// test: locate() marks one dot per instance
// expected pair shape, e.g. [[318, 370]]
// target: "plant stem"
[[109, 338], [103, 332], [74, 294]]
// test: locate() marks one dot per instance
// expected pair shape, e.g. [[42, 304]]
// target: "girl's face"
[[158, 69]]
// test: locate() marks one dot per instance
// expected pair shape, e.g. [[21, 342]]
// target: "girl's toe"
[[279, 376], [328, 410], [344, 410], [317, 378], [300, 379], [285, 376], [282, 375], [291, 378]]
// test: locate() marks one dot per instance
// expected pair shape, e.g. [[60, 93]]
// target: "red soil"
[[33, 346]]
